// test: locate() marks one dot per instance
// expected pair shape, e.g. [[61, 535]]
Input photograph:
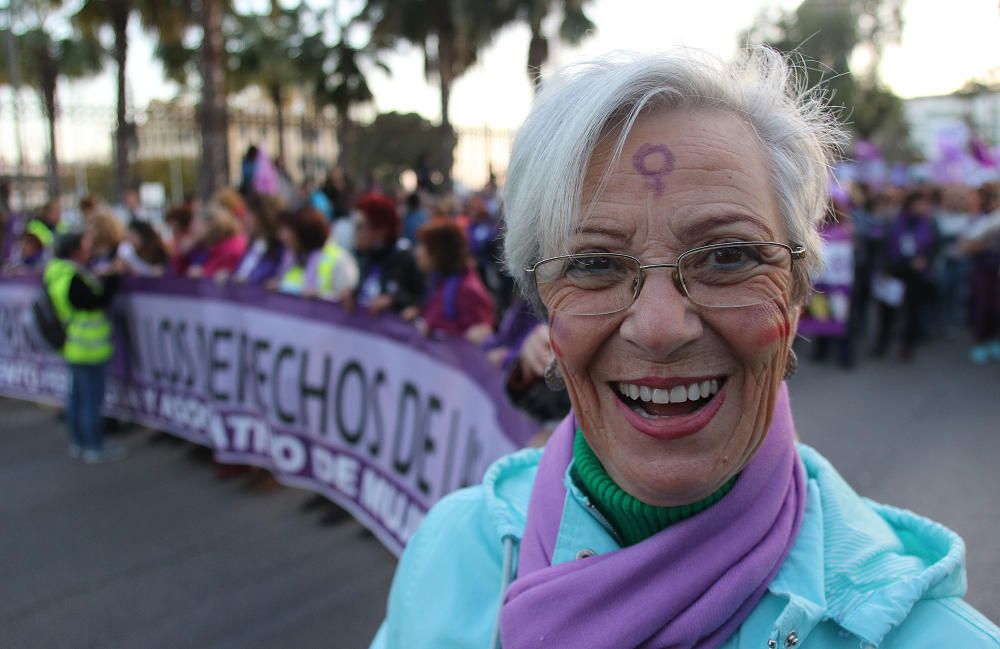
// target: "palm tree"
[[340, 82], [574, 27], [161, 15], [212, 115], [451, 34], [43, 61], [273, 53]]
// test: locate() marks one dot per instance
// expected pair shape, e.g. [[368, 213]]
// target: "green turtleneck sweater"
[[632, 519]]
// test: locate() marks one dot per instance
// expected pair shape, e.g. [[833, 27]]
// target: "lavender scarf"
[[691, 585]]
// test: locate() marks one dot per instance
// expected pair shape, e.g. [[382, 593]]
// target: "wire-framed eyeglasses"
[[721, 275]]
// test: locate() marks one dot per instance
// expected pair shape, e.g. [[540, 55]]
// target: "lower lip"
[[677, 426]]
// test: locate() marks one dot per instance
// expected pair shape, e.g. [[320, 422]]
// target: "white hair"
[[601, 98]]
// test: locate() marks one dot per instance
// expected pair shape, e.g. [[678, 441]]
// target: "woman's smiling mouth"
[[673, 408]]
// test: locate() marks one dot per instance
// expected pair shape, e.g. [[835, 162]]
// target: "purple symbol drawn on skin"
[[654, 161]]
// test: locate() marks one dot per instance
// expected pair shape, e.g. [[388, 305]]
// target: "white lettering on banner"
[[336, 470], [22, 375], [389, 505], [383, 425], [288, 453]]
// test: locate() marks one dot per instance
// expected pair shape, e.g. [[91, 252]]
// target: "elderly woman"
[[662, 212]]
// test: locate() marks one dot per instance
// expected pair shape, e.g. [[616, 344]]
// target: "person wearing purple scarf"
[[912, 246], [662, 216]]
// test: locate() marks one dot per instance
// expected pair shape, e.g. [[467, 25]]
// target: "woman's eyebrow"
[[709, 224], [610, 233]]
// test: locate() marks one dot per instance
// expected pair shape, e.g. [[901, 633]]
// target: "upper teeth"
[[676, 394]]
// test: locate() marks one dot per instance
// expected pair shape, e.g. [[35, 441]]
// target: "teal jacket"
[[860, 574]]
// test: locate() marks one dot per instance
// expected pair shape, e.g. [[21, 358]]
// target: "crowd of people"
[[925, 264]]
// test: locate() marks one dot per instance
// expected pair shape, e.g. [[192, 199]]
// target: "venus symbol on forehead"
[[654, 161]]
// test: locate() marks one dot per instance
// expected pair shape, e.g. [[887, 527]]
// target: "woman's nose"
[[662, 319]]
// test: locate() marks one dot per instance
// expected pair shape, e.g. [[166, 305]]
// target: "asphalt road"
[[158, 551]]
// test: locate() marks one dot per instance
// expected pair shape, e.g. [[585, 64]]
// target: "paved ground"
[[158, 552]]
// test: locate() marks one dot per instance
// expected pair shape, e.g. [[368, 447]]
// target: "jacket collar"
[[858, 563]]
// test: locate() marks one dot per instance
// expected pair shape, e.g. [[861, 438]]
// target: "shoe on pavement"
[[104, 455], [995, 350]]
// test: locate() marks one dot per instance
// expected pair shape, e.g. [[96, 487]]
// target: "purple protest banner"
[[829, 308], [366, 411]]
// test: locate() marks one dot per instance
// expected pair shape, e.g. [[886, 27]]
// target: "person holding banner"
[[390, 279], [662, 214], [80, 300], [458, 303], [313, 266]]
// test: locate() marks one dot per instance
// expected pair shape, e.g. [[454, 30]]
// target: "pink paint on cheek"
[[767, 324], [555, 331]]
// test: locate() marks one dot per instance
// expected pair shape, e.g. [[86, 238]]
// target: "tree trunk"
[[344, 128], [49, 102], [279, 111], [446, 62], [122, 180], [212, 115], [538, 53]]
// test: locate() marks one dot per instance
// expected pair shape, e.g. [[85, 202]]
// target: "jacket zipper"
[[604, 522]]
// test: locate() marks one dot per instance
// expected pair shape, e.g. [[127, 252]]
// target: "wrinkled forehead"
[[683, 166]]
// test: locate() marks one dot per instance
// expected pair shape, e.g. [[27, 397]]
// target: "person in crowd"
[[414, 218], [185, 245], [338, 189], [223, 241], [317, 199], [131, 206], [982, 243], [6, 220], [47, 224], [28, 255], [912, 248], [313, 266], [264, 255], [107, 234], [867, 237], [143, 251], [233, 201], [838, 235], [457, 302], [520, 348], [390, 279], [88, 206], [953, 268], [248, 167], [667, 229], [81, 299]]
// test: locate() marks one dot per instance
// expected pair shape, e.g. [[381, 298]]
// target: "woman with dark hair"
[[458, 303], [143, 251], [185, 248], [390, 279], [313, 266], [912, 246], [265, 253]]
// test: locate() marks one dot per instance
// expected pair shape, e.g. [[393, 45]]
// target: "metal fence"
[[167, 146]]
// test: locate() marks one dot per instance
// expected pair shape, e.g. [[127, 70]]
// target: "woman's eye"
[[591, 264]]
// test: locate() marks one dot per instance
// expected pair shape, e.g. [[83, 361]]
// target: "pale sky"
[[944, 43]]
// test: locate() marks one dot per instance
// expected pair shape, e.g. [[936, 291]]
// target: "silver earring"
[[792, 364], [553, 377]]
